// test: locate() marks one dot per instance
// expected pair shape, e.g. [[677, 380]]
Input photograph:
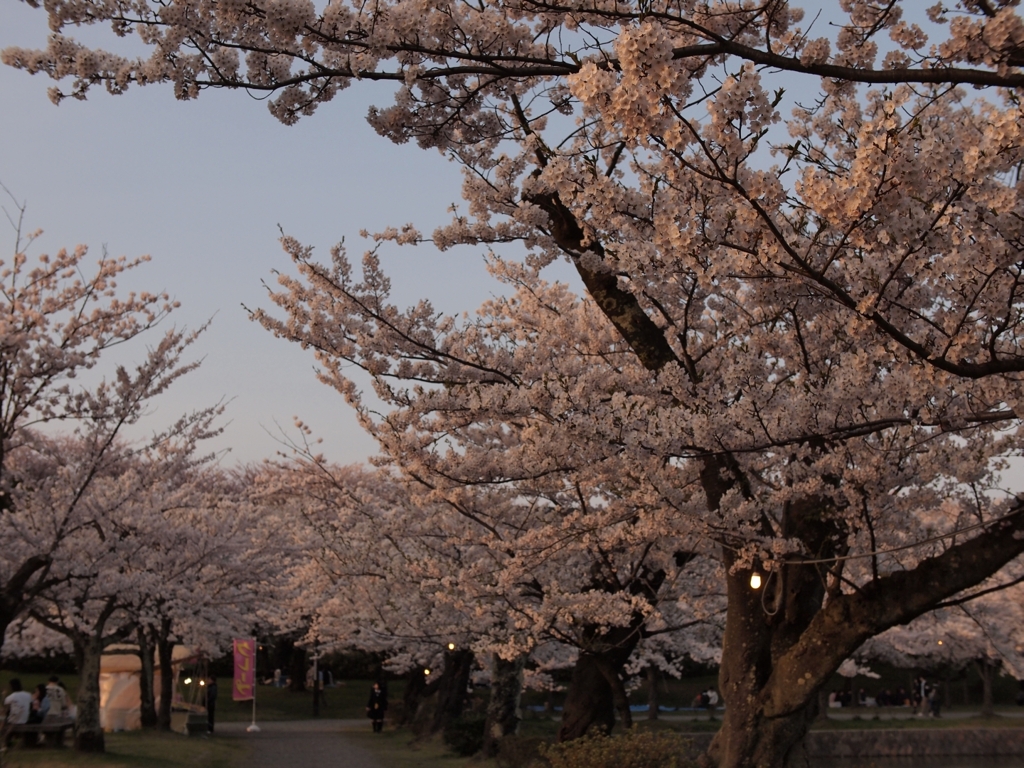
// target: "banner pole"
[[255, 681]]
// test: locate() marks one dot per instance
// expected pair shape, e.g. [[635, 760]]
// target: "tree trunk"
[[297, 670], [415, 689], [748, 738], [503, 706], [165, 652], [88, 730], [986, 669], [589, 702], [611, 667], [822, 703], [652, 692], [451, 689], [147, 702]]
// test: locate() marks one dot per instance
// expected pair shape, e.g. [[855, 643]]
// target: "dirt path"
[[299, 744]]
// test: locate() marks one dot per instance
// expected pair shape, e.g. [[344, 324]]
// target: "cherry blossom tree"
[[822, 310], [56, 322], [558, 550], [984, 628], [365, 567], [517, 392], [218, 560], [113, 559]]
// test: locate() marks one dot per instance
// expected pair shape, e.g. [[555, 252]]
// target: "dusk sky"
[[202, 186]]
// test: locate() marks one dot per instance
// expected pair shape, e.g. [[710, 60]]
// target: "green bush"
[[465, 736], [632, 749]]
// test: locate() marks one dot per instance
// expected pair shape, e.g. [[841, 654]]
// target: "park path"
[[299, 744]]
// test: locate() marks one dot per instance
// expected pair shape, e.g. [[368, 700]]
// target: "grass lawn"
[[345, 701], [137, 749]]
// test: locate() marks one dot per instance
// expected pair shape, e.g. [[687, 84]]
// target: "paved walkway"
[[299, 744]]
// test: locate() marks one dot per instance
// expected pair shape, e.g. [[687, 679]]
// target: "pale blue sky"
[[202, 186]]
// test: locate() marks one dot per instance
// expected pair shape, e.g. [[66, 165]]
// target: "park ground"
[[290, 736]]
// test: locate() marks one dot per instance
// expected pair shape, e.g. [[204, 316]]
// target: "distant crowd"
[[923, 698]]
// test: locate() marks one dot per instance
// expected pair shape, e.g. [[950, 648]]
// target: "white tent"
[[120, 698]]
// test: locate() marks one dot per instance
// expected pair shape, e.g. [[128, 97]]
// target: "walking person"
[[211, 702], [377, 706]]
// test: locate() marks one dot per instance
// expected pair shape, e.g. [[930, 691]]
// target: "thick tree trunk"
[[147, 702], [503, 707], [415, 690], [589, 702], [451, 689], [750, 737], [88, 730], [165, 652], [652, 692]]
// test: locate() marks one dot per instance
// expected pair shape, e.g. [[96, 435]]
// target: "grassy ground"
[[393, 748], [346, 700], [138, 749]]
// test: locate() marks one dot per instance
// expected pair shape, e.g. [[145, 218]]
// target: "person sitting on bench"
[[40, 706]]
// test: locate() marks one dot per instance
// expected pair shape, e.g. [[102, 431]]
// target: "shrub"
[[465, 735], [632, 749]]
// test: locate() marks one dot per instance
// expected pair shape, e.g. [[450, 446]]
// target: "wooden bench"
[[53, 730]]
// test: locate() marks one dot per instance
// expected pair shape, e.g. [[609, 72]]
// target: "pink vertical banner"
[[243, 688]]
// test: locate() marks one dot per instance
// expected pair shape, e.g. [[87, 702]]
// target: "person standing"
[[211, 702], [712, 701], [377, 706]]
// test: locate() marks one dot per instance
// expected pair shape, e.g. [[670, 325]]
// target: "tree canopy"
[[806, 233]]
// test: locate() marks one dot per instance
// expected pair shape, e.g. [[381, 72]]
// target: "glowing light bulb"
[[188, 681], [451, 646], [755, 580], [940, 642], [426, 671]]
